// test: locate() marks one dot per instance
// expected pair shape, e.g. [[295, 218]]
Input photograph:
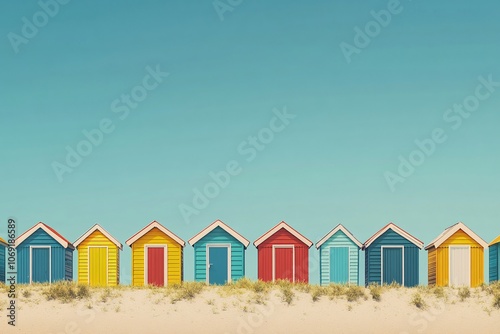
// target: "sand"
[[216, 310]]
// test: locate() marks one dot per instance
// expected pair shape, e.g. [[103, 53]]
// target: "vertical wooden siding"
[[339, 239], [476, 258], [431, 266], [494, 264], [373, 263], [58, 257], [3, 251], [174, 253], [98, 239], [219, 236], [265, 256]]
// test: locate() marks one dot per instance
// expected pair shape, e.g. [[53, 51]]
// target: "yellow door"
[[98, 266]]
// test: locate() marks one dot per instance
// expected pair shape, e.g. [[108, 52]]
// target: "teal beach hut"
[[43, 256], [3, 257], [391, 256], [219, 254], [339, 257], [495, 260]]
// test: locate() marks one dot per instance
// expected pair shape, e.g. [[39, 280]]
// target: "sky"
[[174, 90]]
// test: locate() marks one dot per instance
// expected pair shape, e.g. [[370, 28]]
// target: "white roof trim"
[[452, 230], [339, 227], [151, 226], [223, 226], [399, 231], [287, 227], [99, 228], [4, 243], [35, 228]]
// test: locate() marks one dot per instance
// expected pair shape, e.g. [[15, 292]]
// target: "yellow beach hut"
[[156, 256], [98, 258], [456, 258]]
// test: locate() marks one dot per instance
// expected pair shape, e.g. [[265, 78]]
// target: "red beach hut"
[[283, 253]]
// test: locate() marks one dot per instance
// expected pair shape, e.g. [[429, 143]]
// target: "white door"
[[459, 266]]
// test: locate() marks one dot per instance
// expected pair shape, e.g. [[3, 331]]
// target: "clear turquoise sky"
[[353, 120]]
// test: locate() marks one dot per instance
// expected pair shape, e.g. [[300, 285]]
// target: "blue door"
[[392, 263], [40, 265], [218, 265], [339, 265]]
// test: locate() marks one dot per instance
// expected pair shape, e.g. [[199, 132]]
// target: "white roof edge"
[[287, 227], [148, 228], [222, 225], [452, 230], [41, 225], [2, 242], [103, 231], [399, 231], [342, 228]]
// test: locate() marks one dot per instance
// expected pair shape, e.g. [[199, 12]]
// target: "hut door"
[[392, 265], [218, 265], [156, 266], [459, 266], [339, 265], [40, 265], [98, 266], [284, 267]]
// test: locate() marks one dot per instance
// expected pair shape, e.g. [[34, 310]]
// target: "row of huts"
[[455, 257]]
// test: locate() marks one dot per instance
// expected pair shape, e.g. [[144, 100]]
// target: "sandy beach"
[[235, 309]]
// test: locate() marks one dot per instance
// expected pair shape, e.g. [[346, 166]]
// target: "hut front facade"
[[43, 256], [156, 256], [456, 258], [98, 258], [495, 260], [3, 257], [219, 254], [339, 257], [391, 256], [283, 254]]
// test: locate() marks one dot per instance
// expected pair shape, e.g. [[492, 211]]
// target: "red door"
[[156, 266], [283, 263]]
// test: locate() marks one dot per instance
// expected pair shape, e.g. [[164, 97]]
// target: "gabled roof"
[[99, 228], [223, 226], [496, 241], [452, 230], [151, 226], [337, 228], [288, 228], [3, 242], [398, 230], [49, 230]]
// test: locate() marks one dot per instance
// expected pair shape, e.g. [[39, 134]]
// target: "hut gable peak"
[[152, 225], [396, 229], [47, 229], [213, 226], [99, 228], [286, 227], [446, 234], [337, 228]]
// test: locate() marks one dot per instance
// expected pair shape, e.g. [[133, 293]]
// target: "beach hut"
[[391, 256], [43, 256], [283, 253], [156, 256], [3, 256], [98, 258], [456, 258], [339, 257], [495, 260], [219, 254]]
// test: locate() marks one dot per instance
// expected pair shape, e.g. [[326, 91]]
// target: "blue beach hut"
[[339, 257], [43, 256], [3, 256], [495, 260], [219, 254], [391, 256]]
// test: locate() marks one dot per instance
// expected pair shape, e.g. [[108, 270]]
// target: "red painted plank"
[[156, 263]]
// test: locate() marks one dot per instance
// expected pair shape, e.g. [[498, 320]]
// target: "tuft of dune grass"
[[185, 290], [66, 291], [375, 291], [418, 301]]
